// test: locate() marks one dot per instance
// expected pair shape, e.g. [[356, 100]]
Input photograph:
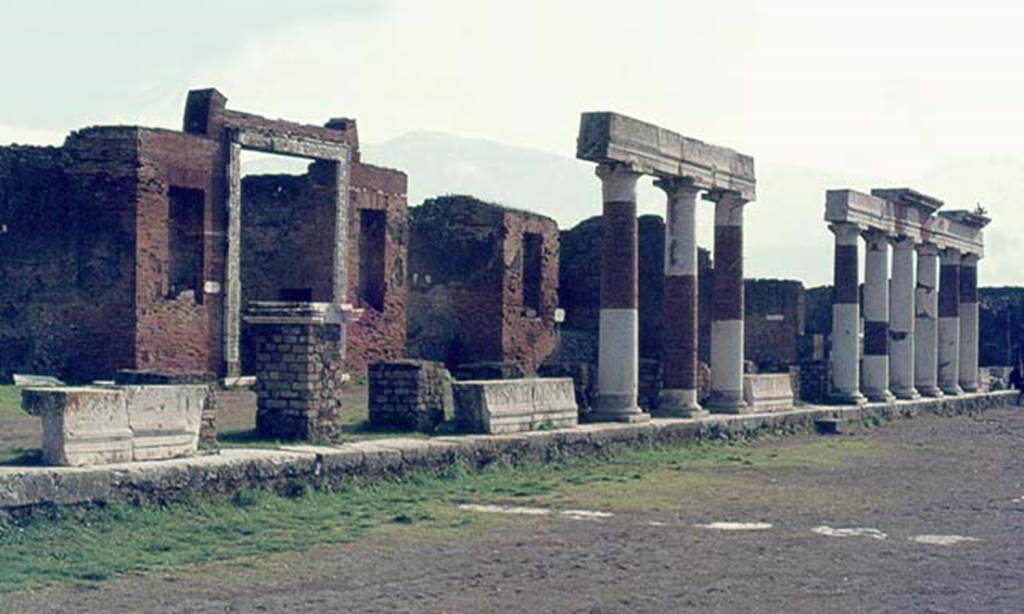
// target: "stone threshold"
[[24, 489]]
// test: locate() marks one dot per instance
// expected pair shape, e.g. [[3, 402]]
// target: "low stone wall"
[[409, 395], [111, 424], [513, 406], [24, 489]]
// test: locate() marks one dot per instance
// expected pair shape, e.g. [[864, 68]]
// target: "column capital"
[[876, 236], [733, 199], [618, 182], [969, 260], [903, 243], [927, 249], [950, 255], [677, 186], [845, 231]]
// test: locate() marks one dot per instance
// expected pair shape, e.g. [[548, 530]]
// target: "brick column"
[[949, 322], [299, 364], [901, 320], [618, 336], [679, 337], [876, 317], [845, 356], [727, 306], [969, 323], [926, 330]]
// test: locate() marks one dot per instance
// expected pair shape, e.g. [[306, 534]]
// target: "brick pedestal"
[[299, 367], [409, 395]]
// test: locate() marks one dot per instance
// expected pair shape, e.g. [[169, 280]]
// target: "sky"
[[927, 94]]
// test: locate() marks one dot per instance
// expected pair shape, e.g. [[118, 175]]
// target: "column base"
[[727, 402], [968, 387], [952, 390], [617, 408], [681, 403], [932, 392], [843, 397], [907, 394], [879, 396]]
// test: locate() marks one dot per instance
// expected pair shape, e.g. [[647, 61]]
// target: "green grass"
[[10, 403], [94, 545]]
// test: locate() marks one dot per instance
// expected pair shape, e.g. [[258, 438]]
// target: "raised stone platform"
[[513, 406], [23, 489], [111, 424]]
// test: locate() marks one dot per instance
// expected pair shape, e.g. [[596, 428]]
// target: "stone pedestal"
[[926, 322], [513, 406], [876, 318], [409, 395], [619, 328], [727, 306], [299, 358], [845, 355], [949, 322]]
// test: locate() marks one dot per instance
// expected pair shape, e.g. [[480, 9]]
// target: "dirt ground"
[[956, 478]]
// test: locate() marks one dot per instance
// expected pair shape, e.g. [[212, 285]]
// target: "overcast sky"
[[902, 91]]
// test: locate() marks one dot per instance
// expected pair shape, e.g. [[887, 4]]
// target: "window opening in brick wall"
[[533, 254], [185, 241], [296, 295], [372, 230]]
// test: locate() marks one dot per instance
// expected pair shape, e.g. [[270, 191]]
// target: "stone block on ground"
[[409, 395], [768, 392], [512, 406], [99, 425]]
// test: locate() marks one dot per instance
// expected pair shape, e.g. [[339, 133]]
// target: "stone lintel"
[[289, 145], [285, 312], [607, 138]]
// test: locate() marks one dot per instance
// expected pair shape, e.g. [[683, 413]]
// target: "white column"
[[618, 335], [845, 356], [233, 264], [901, 320], [678, 396], [876, 317], [926, 330], [727, 306], [969, 323], [949, 322]]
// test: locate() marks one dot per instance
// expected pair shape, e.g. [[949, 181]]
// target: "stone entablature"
[[607, 137], [905, 212]]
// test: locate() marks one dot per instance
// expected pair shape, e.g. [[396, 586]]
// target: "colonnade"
[[920, 323]]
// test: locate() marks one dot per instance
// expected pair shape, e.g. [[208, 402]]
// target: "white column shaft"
[[901, 320], [926, 331]]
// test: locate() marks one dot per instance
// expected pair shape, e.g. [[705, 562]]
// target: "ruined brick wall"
[[528, 333], [178, 323], [66, 254], [379, 334], [456, 267], [483, 283], [774, 323]]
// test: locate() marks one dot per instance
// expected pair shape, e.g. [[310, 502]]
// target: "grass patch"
[[21, 457], [91, 546], [10, 403]]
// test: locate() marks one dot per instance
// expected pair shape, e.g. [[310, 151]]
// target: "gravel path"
[[930, 520]]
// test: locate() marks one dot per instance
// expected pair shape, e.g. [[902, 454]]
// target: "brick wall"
[[467, 301], [409, 395]]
